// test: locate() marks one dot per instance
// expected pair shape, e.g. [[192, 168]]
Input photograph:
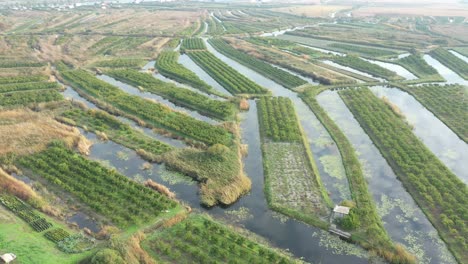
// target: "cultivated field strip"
[[439, 193], [109, 193], [292, 183], [168, 66], [154, 114], [228, 77], [176, 95], [281, 77]]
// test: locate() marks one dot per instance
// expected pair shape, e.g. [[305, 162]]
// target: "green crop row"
[[193, 44], [367, 67], [109, 193], [115, 130], [168, 66], [451, 61], [373, 52], [440, 194], [23, 79], [14, 87], [278, 119], [177, 95], [25, 98], [154, 114], [225, 75], [280, 76]]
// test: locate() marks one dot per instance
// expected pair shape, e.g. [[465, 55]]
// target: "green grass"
[[26, 98], [15, 87], [23, 79], [192, 44], [120, 63], [280, 76], [31, 247], [442, 196]]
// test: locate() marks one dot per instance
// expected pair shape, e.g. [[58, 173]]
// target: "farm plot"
[[109, 193], [448, 103], [419, 67], [202, 240], [451, 61], [23, 79], [154, 114], [367, 67], [177, 95], [25, 98], [120, 63], [14, 87], [168, 66], [109, 127], [193, 44], [440, 194], [225, 75], [292, 183], [282, 77], [20, 64], [364, 51]]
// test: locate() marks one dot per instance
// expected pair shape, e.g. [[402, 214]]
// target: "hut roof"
[[341, 209]]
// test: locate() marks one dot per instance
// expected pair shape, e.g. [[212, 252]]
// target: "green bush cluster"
[[451, 61], [367, 67], [26, 98]]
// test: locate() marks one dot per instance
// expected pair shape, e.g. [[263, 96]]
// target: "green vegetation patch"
[[218, 169], [225, 75], [292, 182], [365, 51], [109, 127], [367, 67], [278, 119], [202, 240], [448, 103], [280, 76], [177, 95], [451, 61], [120, 63], [25, 98], [168, 66], [440, 194], [154, 114], [109, 193], [20, 64], [193, 44], [14, 87], [371, 233], [419, 67], [23, 79]]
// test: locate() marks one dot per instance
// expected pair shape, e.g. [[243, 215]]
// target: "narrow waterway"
[[326, 154], [147, 95], [459, 55], [346, 68], [71, 94], [403, 219], [251, 211], [189, 64], [439, 138], [450, 76], [323, 50], [395, 68]]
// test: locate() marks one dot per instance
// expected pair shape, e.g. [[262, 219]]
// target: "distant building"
[[7, 258]]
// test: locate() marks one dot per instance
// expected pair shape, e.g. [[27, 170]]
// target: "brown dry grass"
[[25, 132], [130, 249], [15, 187], [160, 188]]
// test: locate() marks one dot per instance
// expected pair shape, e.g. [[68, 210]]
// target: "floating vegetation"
[[173, 177], [281, 217], [138, 178], [239, 215], [333, 166], [122, 155], [338, 246]]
